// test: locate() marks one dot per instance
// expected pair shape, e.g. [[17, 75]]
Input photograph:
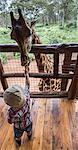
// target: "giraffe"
[[21, 33], [24, 34]]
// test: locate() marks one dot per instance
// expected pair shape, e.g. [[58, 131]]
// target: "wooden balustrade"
[[55, 49]]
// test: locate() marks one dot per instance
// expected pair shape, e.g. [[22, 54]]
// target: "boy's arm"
[[9, 117], [27, 76], [27, 82]]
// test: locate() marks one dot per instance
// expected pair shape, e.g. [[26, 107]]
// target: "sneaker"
[[18, 142], [29, 134]]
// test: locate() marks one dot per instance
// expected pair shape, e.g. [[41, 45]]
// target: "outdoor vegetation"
[[56, 20]]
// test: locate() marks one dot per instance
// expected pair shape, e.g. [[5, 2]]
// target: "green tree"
[[3, 10]]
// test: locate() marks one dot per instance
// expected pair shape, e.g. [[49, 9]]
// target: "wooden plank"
[[38, 75], [1, 105], [56, 64], [50, 49], [73, 89], [72, 109], [54, 94], [9, 48], [3, 115], [67, 59], [47, 131], [40, 48], [3, 80], [55, 127], [57, 143], [4, 126], [38, 135], [68, 68], [3, 133], [7, 144], [73, 62], [65, 126]]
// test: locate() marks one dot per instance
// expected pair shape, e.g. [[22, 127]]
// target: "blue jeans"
[[19, 132]]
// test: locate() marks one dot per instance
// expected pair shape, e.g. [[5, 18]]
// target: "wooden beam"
[[50, 49], [40, 48], [37, 75], [9, 48], [68, 68], [67, 59], [3, 80], [54, 94], [73, 90], [56, 64]]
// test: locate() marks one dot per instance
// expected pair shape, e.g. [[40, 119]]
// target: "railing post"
[[56, 64], [3, 80], [67, 59], [72, 93]]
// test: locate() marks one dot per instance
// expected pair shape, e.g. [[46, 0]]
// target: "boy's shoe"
[[18, 142], [29, 134]]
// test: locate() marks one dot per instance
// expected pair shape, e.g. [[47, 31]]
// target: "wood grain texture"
[[55, 126], [3, 80], [67, 59], [40, 48]]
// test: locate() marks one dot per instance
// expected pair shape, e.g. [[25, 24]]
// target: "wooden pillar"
[[56, 64], [72, 93], [67, 59], [3, 80]]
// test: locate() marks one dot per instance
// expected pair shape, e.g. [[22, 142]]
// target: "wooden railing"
[[57, 49]]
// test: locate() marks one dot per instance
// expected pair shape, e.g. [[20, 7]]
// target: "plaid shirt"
[[21, 118]]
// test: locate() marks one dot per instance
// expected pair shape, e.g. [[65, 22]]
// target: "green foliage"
[[55, 34], [3, 57], [71, 25], [16, 55], [48, 35], [5, 36]]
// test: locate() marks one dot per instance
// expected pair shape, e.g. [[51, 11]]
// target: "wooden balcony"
[[55, 126], [55, 118]]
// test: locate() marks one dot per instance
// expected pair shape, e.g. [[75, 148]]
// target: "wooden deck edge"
[[62, 94], [54, 94]]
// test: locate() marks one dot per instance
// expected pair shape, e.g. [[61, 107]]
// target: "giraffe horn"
[[12, 18], [20, 12], [21, 16]]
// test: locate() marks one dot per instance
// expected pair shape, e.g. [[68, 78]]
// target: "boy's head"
[[14, 96]]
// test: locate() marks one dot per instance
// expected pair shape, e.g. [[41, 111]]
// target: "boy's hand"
[[9, 121], [26, 69]]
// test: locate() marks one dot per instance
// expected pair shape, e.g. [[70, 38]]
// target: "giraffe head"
[[21, 33]]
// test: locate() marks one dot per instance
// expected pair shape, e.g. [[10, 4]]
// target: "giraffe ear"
[[33, 23]]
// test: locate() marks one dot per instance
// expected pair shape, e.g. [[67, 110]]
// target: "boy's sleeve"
[[27, 91], [9, 117]]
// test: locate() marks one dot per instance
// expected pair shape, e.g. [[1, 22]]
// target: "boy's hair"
[[14, 96]]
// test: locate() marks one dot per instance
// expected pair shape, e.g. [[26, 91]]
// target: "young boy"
[[19, 113]]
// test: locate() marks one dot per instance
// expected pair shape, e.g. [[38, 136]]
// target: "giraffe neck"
[[43, 63]]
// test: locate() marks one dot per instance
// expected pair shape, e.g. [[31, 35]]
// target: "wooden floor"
[[55, 126]]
